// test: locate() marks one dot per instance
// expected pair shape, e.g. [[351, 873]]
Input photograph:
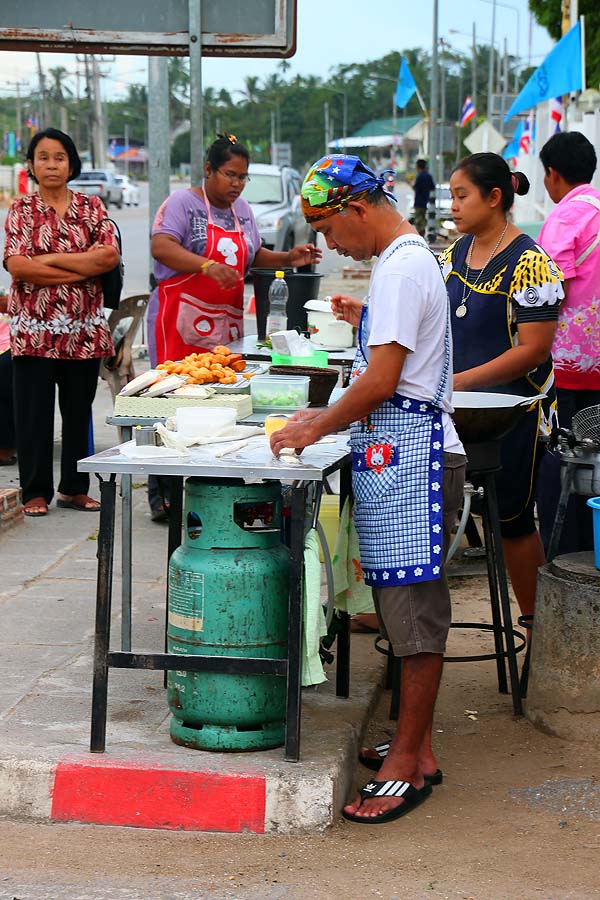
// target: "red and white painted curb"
[[145, 795]]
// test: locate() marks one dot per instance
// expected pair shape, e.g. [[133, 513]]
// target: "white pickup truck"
[[99, 183]]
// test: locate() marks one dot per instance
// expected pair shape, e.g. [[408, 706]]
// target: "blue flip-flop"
[[411, 797]]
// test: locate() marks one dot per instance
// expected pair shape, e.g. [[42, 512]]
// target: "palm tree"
[[58, 92]]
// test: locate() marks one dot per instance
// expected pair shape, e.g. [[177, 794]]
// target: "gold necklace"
[[462, 308]]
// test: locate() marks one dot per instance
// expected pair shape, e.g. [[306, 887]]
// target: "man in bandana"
[[407, 461]]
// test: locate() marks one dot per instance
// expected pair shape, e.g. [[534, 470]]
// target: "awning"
[[381, 140]]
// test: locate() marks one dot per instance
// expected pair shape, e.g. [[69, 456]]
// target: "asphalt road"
[[134, 225]]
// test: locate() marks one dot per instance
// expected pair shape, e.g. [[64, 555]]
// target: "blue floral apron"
[[397, 475]]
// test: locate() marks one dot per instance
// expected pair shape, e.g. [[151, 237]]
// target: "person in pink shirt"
[[571, 236]]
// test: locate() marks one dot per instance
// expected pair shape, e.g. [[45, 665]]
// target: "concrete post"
[[564, 685]]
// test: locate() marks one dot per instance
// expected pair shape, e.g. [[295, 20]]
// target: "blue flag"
[[560, 73], [406, 85]]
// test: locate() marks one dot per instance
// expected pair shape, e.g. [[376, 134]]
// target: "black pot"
[[302, 286]]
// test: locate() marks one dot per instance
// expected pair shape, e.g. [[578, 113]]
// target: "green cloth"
[[351, 593], [314, 617]]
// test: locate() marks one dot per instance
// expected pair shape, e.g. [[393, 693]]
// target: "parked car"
[[131, 191], [99, 183], [274, 195]]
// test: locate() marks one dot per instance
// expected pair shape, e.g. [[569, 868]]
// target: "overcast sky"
[[358, 32]]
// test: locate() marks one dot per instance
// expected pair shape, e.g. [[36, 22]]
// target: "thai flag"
[[527, 135], [556, 112], [468, 112]]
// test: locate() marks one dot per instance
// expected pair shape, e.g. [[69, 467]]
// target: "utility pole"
[[43, 107], [431, 232], [91, 122], [326, 119], [99, 136], [474, 77], [491, 64], [272, 137], [18, 111]]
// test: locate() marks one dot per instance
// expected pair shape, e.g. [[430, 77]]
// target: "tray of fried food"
[[218, 367]]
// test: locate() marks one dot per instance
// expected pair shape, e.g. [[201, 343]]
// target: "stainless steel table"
[[252, 462], [126, 425], [247, 347]]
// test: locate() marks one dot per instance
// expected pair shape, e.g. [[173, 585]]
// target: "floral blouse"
[[62, 321]]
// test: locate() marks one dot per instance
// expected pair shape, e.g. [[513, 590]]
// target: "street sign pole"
[[159, 150], [196, 130]]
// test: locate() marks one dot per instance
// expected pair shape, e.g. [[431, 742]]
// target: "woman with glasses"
[[204, 240]]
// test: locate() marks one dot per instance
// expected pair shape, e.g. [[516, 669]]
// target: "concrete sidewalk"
[[47, 606]]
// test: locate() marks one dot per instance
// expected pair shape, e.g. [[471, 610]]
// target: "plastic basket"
[[318, 359], [594, 502]]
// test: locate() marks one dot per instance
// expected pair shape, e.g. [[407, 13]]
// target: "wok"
[[481, 417]]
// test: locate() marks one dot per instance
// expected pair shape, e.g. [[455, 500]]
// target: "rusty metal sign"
[[243, 28]]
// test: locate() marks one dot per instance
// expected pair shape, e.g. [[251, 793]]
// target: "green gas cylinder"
[[228, 596]]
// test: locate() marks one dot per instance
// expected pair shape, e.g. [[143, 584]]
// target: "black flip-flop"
[[8, 461], [411, 796], [77, 501], [375, 763]]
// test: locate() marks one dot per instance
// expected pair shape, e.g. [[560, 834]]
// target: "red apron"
[[195, 313]]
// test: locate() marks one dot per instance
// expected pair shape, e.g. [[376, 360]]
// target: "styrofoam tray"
[[242, 385]]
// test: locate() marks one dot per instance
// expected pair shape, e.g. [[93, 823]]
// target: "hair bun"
[[520, 183]]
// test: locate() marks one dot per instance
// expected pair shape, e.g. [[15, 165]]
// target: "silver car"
[[99, 183], [274, 195]]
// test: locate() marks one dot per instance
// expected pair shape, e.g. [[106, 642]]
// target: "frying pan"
[[481, 417]]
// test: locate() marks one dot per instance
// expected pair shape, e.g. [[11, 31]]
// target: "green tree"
[[548, 13]]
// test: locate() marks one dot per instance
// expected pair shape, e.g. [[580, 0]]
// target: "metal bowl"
[[481, 417]]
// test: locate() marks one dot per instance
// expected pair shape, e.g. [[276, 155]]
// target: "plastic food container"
[[274, 392]]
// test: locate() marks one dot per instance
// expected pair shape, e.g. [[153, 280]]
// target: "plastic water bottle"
[[278, 298]]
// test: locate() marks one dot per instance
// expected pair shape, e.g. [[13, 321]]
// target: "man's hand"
[[301, 431], [347, 309]]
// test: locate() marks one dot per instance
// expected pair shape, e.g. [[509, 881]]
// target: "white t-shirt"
[[408, 305]]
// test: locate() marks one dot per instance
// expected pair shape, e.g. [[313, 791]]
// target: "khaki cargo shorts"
[[415, 618]]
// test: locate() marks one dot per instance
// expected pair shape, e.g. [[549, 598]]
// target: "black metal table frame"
[[290, 667]]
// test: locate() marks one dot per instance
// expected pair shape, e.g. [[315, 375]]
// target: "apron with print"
[[195, 314], [397, 476]]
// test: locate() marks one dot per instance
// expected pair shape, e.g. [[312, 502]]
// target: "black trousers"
[[7, 417], [577, 534], [35, 381]]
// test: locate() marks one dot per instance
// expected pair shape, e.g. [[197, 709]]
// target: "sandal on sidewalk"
[[78, 501], [35, 507], [375, 763], [411, 796]]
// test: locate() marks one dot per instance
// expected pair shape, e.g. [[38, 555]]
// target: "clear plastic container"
[[274, 392]]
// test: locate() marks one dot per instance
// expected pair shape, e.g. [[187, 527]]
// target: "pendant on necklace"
[[461, 311]]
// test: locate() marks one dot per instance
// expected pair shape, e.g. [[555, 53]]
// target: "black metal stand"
[[505, 649], [561, 510], [289, 668], [342, 670]]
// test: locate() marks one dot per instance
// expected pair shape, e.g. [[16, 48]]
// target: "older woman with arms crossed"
[[58, 242]]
